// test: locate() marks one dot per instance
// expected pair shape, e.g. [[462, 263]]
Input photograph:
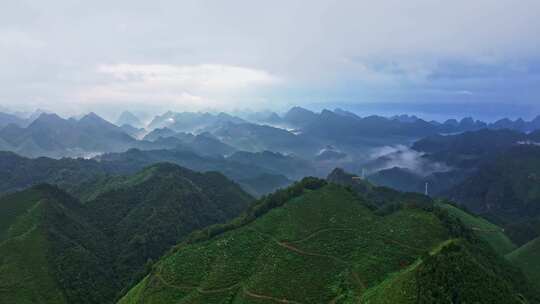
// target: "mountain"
[[58, 250], [192, 122], [51, 135], [491, 233], [345, 128], [405, 118], [345, 113], [330, 153], [404, 179], [5, 146], [264, 117], [506, 189], [257, 138], [50, 253], [299, 117], [443, 161], [277, 163], [132, 131], [264, 184], [203, 144], [321, 243], [155, 208], [469, 148], [134, 158], [207, 144], [17, 172], [128, 118], [526, 257], [518, 124], [6, 119], [166, 132], [385, 199]]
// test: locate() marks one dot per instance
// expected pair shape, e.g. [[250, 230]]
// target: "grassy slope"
[[323, 246], [489, 232], [527, 257]]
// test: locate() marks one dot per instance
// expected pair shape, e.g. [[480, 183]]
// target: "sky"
[[73, 56]]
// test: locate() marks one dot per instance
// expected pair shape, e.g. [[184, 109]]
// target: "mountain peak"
[[94, 119], [47, 120], [92, 116], [128, 118]]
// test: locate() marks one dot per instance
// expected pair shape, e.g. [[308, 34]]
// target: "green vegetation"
[[85, 178], [55, 249], [506, 191], [51, 250], [526, 257], [264, 184], [323, 243], [485, 230]]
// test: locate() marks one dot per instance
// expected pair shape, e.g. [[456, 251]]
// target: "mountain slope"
[[506, 189], [51, 135], [50, 253], [90, 253], [154, 209], [489, 232], [192, 122], [320, 244], [277, 163], [17, 173], [6, 119], [469, 149], [128, 118], [526, 257]]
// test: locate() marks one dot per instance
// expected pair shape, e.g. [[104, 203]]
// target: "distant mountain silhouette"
[[128, 118]]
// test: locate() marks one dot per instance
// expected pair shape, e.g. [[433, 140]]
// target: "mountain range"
[[304, 207]]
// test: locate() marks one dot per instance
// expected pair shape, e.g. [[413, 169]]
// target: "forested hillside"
[[56, 249]]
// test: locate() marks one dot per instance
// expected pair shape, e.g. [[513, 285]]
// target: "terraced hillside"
[[324, 244], [489, 232]]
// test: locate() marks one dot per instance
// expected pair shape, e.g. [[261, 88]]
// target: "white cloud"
[[198, 50], [177, 85], [18, 40], [194, 77]]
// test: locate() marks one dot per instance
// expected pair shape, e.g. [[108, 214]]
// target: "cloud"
[[401, 156], [18, 40], [225, 53], [198, 77], [190, 86]]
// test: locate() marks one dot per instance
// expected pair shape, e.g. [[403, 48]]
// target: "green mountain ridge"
[[323, 243], [91, 252], [526, 257], [506, 191], [18, 173]]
